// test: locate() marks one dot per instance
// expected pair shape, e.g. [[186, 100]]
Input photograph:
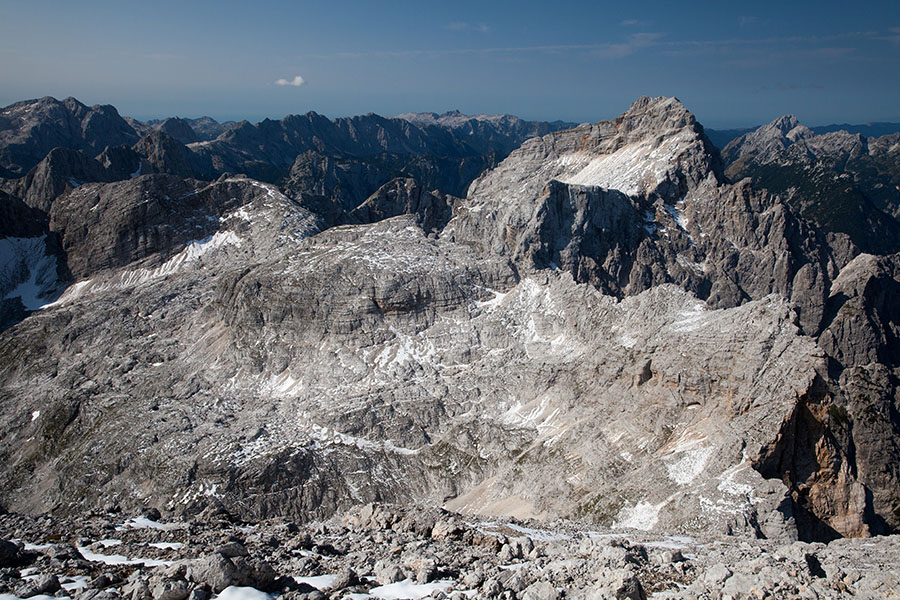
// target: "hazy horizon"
[[732, 65]]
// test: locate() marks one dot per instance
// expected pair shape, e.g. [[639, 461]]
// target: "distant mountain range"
[[721, 137], [845, 182]]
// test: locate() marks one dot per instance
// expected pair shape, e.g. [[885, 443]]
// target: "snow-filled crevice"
[[28, 271]]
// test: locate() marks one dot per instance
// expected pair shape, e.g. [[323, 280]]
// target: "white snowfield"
[[27, 272], [191, 256], [633, 169]]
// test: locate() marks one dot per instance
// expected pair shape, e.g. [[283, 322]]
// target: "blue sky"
[[733, 64]]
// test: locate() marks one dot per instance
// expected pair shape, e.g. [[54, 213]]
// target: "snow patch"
[[540, 415], [627, 340], [330, 436], [689, 265], [676, 212], [241, 214], [493, 302], [36, 547], [145, 523], [284, 383], [728, 484], [541, 535], [118, 559], [650, 224], [642, 516], [690, 319], [192, 254], [673, 542], [234, 592], [167, 545], [632, 169], [74, 583], [406, 589], [320, 582], [27, 271], [690, 465], [37, 597], [686, 440], [404, 350]]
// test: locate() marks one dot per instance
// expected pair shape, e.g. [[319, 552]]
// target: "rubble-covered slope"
[[363, 365]]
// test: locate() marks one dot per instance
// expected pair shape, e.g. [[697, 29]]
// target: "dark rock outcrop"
[[17, 219], [105, 226], [178, 129], [165, 154], [404, 197]]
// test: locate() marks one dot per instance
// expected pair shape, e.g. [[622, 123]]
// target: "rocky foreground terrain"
[[383, 551]]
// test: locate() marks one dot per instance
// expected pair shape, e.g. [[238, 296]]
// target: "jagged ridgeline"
[[605, 327]]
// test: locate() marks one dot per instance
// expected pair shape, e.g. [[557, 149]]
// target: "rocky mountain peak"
[[658, 114], [837, 179], [766, 143], [179, 129], [784, 123], [655, 148], [164, 153]]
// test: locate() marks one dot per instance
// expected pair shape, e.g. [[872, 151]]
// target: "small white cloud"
[[464, 26], [629, 22], [297, 81]]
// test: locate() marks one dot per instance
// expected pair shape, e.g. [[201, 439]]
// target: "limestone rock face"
[[179, 129], [369, 345], [30, 269], [165, 154], [638, 201], [334, 186], [604, 329], [61, 170], [404, 197], [64, 169], [864, 313], [488, 133], [152, 217], [766, 143]]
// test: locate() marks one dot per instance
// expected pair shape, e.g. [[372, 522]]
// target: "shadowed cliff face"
[[604, 328]]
